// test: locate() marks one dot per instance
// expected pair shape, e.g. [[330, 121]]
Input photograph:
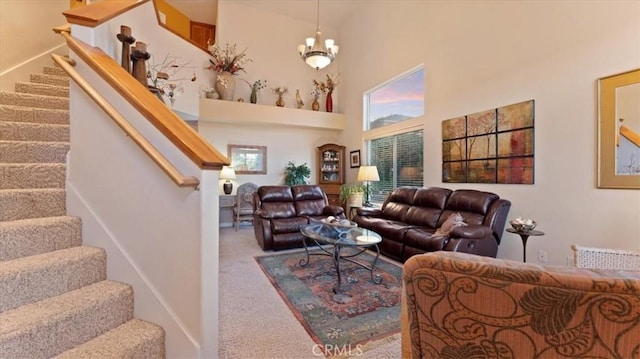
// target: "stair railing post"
[[139, 55], [125, 37]]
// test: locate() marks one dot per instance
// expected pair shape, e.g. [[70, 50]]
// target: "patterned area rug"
[[363, 311]]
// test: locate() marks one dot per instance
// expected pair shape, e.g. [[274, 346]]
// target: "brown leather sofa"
[[410, 216], [281, 211]]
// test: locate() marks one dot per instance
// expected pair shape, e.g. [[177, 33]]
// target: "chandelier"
[[315, 53]]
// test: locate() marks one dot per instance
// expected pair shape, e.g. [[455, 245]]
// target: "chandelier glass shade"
[[316, 53]]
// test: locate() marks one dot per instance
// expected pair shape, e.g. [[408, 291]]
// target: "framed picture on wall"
[[354, 157], [619, 131], [248, 159]]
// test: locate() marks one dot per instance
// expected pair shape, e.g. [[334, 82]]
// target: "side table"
[[525, 236], [351, 209]]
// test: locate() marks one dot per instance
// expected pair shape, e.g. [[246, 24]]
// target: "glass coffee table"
[[339, 238]]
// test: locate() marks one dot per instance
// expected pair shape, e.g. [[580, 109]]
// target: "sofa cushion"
[[428, 204], [393, 230], [454, 220], [275, 194], [468, 200], [287, 225], [309, 200], [424, 239], [471, 204], [398, 203]]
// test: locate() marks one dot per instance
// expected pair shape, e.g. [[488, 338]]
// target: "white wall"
[[271, 41], [26, 38], [480, 55], [284, 144]]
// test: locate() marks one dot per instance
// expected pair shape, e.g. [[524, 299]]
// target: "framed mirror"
[[619, 131], [248, 159]]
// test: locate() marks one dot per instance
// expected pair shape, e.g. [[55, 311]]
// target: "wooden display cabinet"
[[331, 167]]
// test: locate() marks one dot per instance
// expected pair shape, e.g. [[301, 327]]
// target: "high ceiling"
[[332, 12]]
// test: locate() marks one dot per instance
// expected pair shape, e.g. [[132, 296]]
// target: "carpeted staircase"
[[55, 299]]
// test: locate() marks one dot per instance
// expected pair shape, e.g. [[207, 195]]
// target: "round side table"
[[524, 236]]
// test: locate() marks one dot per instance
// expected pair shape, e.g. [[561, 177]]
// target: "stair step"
[[33, 152], [18, 204], [42, 89], [53, 70], [29, 100], [27, 280], [21, 131], [49, 79], [51, 326], [133, 339], [33, 236], [32, 175], [35, 115]]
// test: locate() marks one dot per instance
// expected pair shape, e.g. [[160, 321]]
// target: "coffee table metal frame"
[[338, 238]]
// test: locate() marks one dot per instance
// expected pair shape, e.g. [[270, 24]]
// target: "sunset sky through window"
[[404, 96]]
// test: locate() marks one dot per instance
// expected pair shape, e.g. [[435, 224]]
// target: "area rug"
[[363, 312]]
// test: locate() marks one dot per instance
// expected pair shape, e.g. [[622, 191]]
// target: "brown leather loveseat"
[[410, 216], [281, 211]]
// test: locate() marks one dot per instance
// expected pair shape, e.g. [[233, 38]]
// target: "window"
[[396, 101], [399, 162], [395, 144]]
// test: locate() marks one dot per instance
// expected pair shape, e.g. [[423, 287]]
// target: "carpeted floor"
[[254, 320]]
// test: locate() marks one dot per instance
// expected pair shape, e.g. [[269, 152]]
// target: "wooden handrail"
[[152, 152], [630, 135], [100, 12], [164, 119]]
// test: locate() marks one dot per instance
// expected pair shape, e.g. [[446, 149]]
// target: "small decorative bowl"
[[344, 224], [523, 227]]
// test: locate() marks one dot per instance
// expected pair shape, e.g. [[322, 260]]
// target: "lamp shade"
[[227, 173], [368, 173]]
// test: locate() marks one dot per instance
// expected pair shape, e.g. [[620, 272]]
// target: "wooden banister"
[[152, 152], [166, 121], [100, 12]]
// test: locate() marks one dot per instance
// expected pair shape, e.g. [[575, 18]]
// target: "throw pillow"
[[454, 220]]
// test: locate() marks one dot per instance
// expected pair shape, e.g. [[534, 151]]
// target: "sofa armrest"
[[518, 303], [474, 239], [336, 211], [471, 231], [262, 213], [369, 212]]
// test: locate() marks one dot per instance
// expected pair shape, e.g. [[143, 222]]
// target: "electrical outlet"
[[542, 256]]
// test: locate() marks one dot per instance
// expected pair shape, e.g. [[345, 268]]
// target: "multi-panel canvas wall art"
[[493, 146]]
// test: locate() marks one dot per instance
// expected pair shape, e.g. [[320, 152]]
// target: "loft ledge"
[[219, 111]]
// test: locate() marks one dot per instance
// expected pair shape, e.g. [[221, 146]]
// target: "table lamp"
[[227, 174], [368, 174]]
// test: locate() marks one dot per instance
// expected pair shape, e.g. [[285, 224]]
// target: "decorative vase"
[[315, 105], [225, 86], [280, 102], [329, 104], [253, 98]]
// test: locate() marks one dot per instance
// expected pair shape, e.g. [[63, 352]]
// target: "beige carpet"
[[255, 322]]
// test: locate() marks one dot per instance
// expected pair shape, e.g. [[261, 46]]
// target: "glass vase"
[[329, 103]]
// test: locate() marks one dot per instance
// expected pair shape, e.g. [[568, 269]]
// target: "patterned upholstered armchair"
[[457, 305]]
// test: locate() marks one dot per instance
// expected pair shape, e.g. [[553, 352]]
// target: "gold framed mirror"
[[619, 131]]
